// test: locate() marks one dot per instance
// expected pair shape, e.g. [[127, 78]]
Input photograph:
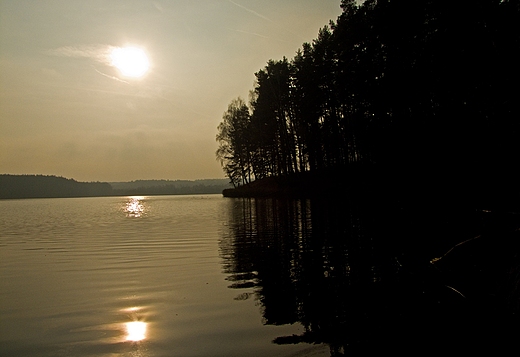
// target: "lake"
[[78, 273], [205, 275]]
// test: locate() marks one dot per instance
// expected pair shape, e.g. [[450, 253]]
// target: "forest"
[[43, 186], [415, 94]]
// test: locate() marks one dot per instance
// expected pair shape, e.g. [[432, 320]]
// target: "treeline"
[[41, 186], [423, 90], [170, 187]]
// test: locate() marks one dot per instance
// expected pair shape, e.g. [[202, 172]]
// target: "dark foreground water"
[[213, 276]]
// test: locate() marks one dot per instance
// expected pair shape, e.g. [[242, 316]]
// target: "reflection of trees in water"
[[338, 269], [301, 257], [262, 253]]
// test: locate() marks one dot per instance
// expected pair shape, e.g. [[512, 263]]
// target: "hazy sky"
[[66, 110]]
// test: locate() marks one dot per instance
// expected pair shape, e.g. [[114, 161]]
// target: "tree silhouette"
[[410, 85], [234, 144], [273, 117]]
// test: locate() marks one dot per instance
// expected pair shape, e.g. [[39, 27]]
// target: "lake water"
[[206, 275], [131, 276]]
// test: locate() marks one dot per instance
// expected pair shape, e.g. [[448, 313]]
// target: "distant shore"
[[43, 186]]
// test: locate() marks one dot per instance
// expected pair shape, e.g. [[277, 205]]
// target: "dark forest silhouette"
[[42, 186], [170, 187], [415, 94]]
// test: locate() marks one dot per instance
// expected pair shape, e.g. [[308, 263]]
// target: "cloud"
[[251, 11], [248, 33], [158, 6], [109, 76], [97, 52]]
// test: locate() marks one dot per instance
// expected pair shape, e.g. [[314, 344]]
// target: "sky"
[[67, 110]]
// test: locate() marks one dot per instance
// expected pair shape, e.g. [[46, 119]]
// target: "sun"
[[130, 61]]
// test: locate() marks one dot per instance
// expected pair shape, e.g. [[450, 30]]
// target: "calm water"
[[213, 276], [130, 276]]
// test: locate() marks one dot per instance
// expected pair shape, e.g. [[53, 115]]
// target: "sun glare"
[[135, 207], [130, 61], [136, 331]]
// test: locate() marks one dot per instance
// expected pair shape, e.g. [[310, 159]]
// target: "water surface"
[[211, 276], [127, 276]]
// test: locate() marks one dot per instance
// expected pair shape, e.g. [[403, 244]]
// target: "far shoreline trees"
[[43, 186], [422, 89]]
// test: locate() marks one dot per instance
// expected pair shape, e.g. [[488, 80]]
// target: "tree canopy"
[[426, 86]]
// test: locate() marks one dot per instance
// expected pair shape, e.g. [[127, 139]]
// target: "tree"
[[273, 117], [234, 142]]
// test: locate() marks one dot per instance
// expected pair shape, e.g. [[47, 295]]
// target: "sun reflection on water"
[[135, 207], [135, 331]]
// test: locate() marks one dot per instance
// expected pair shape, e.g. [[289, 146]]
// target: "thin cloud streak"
[[251, 11], [109, 76], [98, 52], [248, 33]]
